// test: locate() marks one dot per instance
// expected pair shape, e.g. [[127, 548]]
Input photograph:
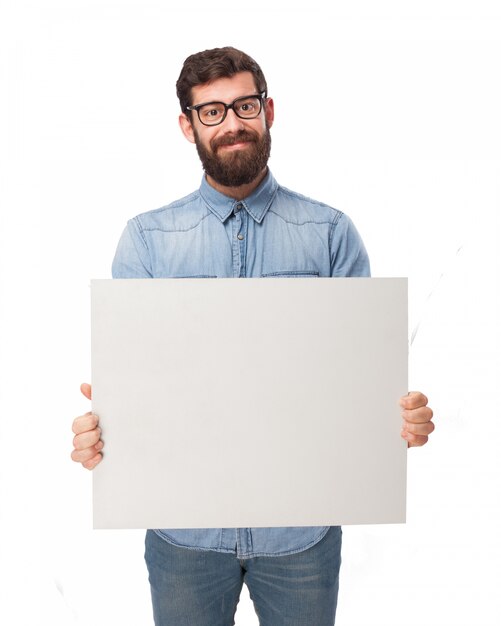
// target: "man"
[[239, 223]]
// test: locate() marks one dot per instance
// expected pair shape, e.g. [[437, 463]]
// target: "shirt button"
[[240, 236], [238, 207]]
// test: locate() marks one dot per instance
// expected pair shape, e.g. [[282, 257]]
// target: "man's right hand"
[[87, 441]]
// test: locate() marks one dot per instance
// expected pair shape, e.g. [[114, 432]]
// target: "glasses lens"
[[211, 113], [248, 108]]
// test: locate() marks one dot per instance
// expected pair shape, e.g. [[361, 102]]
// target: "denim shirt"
[[274, 232]]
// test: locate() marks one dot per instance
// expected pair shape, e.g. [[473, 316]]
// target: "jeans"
[[202, 587]]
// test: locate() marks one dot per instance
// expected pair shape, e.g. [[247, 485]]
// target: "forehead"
[[225, 89]]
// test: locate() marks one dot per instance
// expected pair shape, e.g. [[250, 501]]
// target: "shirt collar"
[[256, 204]]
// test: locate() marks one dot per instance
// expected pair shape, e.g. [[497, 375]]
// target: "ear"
[[186, 127], [269, 111]]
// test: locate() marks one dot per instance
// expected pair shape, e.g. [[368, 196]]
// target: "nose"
[[232, 122]]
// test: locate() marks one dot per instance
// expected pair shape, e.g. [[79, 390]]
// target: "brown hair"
[[204, 67]]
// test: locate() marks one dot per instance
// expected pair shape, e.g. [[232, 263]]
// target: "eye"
[[211, 111], [248, 106]]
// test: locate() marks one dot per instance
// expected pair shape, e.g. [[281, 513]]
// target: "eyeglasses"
[[213, 113]]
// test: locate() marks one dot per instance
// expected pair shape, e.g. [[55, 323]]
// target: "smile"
[[235, 146]]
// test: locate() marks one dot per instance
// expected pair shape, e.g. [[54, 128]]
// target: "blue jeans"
[[202, 587]]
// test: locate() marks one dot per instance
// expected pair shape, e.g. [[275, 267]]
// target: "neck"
[[241, 192]]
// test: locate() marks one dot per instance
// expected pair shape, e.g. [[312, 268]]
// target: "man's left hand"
[[417, 417]]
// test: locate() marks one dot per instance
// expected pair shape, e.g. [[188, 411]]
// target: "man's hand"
[[417, 418], [87, 441]]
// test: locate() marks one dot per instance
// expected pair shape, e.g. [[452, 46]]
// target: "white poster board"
[[249, 402]]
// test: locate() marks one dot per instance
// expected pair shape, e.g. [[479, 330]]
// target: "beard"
[[238, 167]]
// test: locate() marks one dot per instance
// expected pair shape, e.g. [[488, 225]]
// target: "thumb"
[[86, 389]]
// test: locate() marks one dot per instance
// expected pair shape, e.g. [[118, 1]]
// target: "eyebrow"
[[251, 95]]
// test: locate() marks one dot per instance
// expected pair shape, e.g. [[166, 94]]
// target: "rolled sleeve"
[[132, 258], [348, 254]]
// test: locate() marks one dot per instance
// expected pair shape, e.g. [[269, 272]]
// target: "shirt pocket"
[[292, 274]]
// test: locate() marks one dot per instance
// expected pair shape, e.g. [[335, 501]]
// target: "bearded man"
[[239, 223]]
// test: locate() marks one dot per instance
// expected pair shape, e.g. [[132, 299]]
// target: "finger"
[[84, 423], [413, 400], [90, 465], [86, 440], [82, 456], [417, 416], [419, 429], [86, 389], [415, 440]]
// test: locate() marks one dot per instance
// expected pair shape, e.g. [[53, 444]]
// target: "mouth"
[[234, 146]]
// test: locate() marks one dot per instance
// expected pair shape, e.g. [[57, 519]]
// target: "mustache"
[[229, 140]]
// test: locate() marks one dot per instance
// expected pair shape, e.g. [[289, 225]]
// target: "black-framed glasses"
[[213, 113]]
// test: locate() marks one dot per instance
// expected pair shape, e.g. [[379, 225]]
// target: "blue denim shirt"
[[274, 232]]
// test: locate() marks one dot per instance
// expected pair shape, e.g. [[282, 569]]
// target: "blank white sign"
[[249, 402]]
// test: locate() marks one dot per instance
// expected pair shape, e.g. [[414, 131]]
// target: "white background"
[[386, 110]]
